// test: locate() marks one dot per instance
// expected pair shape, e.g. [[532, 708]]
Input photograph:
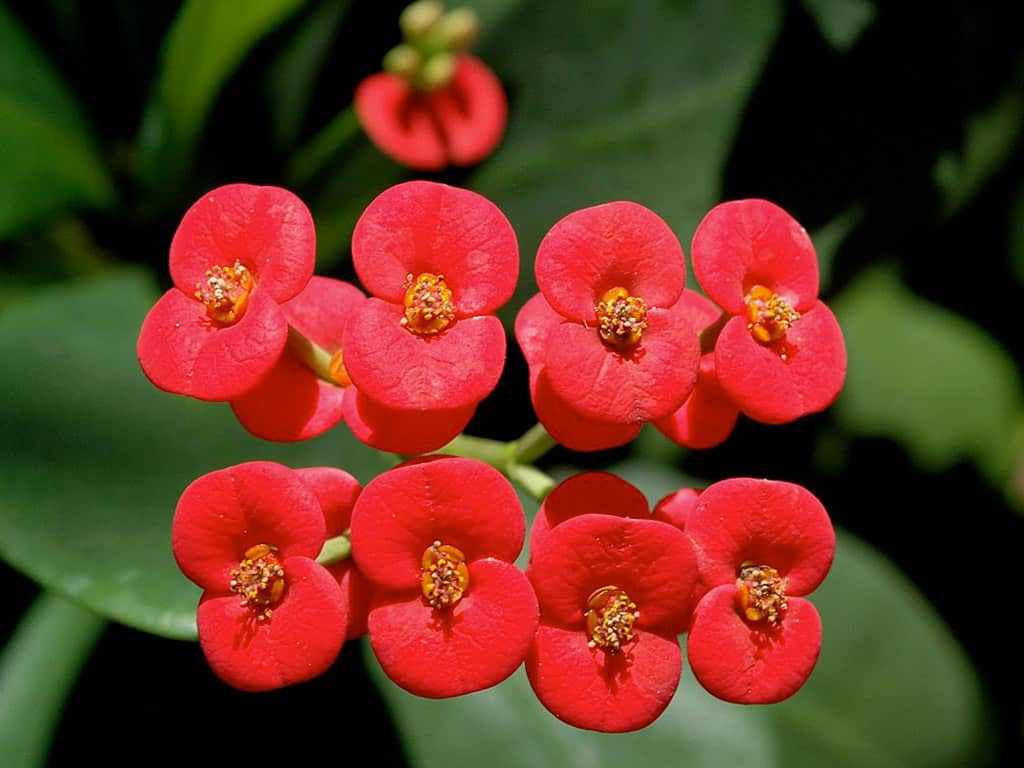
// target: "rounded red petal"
[[300, 641], [336, 491], [591, 689], [744, 243], [423, 226], [587, 493], [766, 522], [399, 123], [471, 112], [699, 310], [222, 514], [571, 428], [476, 644], [399, 431], [602, 384], [463, 503], [400, 369], [772, 390], [534, 322], [268, 229], [358, 592], [181, 350], [290, 403], [319, 313], [653, 562], [675, 508], [749, 663], [707, 417], [619, 244]]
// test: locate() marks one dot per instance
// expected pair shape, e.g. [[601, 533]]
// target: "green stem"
[[493, 452], [511, 459], [312, 355], [38, 670], [535, 482], [335, 550], [311, 157], [533, 444]]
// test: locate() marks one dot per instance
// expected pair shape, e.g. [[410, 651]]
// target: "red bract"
[[436, 537], [782, 354], [613, 592], [675, 508], [270, 615], [239, 252], [439, 261], [458, 124], [761, 546], [621, 350]]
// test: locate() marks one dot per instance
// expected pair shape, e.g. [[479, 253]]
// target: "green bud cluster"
[[433, 37]]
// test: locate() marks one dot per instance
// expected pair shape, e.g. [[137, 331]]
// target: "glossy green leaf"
[[203, 48], [841, 22], [38, 669], [93, 457], [891, 688], [925, 377], [43, 136]]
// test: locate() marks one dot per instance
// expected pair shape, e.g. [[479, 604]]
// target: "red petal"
[[752, 664], [399, 123], [422, 226], [675, 508], [336, 491], [471, 112], [319, 313], [268, 229], [404, 432], [653, 562], [358, 591], [572, 429], [291, 403], [767, 522], [477, 644], [300, 641], [772, 390], [590, 492], [745, 243], [650, 383], [707, 417], [699, 310], [181, 350], [591, 689], [400, 369], [613, 245], [460, 502], [222, 514], [534, 322]]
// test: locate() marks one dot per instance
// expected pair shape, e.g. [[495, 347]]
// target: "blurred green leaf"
[[925, 377], [891, 688], [93, 457], [829, 238], [38, 669], [205, 45], [49, 159], [1016, 235], [841, 22]]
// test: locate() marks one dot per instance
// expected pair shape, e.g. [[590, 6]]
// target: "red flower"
[[239, 252], [408, 432], [708, 416], [781, 355], [761, 546], [613, 592], [675, 508], [450, 613], [460, 123], [270, 615], [621, 351], [439, 261]]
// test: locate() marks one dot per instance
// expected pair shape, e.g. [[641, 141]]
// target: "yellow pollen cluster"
[[444, 577], [259, 579], [226, 292], [622, 318], [762, 593], [610, 617], [429, 308], [768, 314]]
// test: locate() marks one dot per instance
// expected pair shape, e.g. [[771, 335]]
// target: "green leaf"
[[841, 22], [829, 238], [93, 458], [891, 688], [203, 48], [38, 669], [925, 377], [49, 159]]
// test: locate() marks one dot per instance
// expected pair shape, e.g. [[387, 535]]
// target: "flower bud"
[[458, 29], [418, 19], [403, 60], [437, 71]]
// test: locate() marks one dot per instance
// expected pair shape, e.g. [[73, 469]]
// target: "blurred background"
[[892, 134]]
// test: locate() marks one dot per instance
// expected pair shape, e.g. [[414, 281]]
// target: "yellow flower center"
[[762, 593], [768, 315], [444, 576], [622, 318], [225, 292], [259, 580], [429, 308], [610, 616]]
